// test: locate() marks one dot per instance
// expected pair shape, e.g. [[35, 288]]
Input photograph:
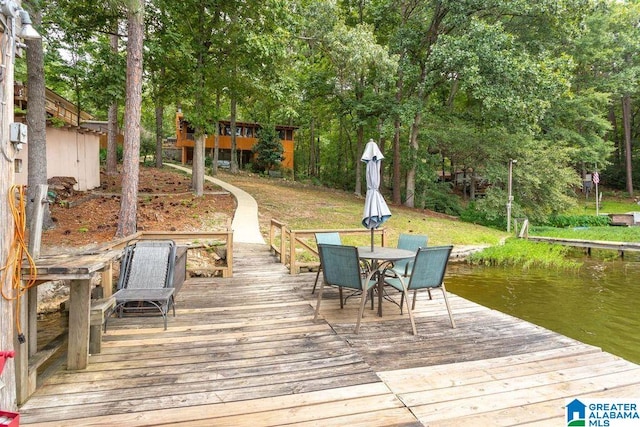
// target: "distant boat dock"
[[621, 247]]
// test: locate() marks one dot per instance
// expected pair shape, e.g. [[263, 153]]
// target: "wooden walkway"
[[244, 351]]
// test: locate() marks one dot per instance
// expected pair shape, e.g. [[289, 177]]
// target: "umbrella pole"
[[372, 240]]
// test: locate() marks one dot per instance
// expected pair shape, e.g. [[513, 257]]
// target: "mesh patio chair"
[[411, 242], [329, 238], [341, 268], [430, 265], [146, 279]]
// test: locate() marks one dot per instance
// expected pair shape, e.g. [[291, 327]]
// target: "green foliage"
[[606, 233], [576, 221], [439, 198], [119, 154], [611, 202], [268, 150], [147, 145], [489, 218], [462, 85], [524, 253], [57, 122]]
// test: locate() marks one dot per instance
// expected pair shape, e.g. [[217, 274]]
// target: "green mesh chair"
[[429, 267], [411, 242], [329, 238], [341, 268]]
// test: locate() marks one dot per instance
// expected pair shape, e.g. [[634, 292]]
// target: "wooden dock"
[[245, 351], [621, 247]]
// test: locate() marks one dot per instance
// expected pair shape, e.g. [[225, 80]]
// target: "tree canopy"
[[450, 89]]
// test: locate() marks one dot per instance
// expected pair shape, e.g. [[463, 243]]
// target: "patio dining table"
[[378, 259]]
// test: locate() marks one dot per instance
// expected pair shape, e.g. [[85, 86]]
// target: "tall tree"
[[131, 158], [352, 69], [36, 121], [112, 120]]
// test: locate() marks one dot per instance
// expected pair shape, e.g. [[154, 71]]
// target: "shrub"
[[440, 199], [482, 217], [119, 154], [524, 253], [563, 221]]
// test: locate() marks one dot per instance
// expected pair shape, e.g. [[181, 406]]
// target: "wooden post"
[[284, 231], [271, 234], [25, 384], [79, 316], [7, 307], [229, 271], [35, 239], [293, 268], [35, 223], [106, 281]]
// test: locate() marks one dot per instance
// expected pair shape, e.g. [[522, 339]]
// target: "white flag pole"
[[597, 181], [597, 201]]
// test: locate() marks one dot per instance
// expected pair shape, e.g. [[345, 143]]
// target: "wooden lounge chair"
[[146, 279]]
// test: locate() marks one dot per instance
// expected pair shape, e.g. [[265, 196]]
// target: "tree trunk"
[[129, 199], [198, 166], [411, 171], [112, 123], [216, 138], [112, 139], [397, 195], [234, 157], [360, 136], [614, 136], [37, 125], [626, 121], [159, 133], [311, 169], [358, 163]]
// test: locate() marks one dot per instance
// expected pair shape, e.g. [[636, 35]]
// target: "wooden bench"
[[98, 309]]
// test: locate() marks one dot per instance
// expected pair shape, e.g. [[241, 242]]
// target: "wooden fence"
[[192, 240], [297, 248]]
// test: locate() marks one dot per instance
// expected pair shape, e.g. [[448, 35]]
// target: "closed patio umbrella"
[[376, 210]]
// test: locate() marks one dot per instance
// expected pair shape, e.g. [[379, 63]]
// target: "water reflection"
[[596, 304]]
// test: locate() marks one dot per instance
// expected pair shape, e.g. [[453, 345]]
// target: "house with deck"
[[246, 138]]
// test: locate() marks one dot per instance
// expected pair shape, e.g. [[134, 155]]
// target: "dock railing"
[[191, 240], [297, 248]]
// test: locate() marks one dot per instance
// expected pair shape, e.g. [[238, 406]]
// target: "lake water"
[[598, 304]]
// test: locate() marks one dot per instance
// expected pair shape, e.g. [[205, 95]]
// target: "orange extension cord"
[[17, 252]]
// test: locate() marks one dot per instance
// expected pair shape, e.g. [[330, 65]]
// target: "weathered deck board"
[[245, 351]]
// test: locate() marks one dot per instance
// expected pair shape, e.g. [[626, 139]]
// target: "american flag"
[[595, 178]]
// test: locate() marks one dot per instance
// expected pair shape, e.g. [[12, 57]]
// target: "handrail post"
[[229, 253], [271, 233], [293, 268], [284, 232]]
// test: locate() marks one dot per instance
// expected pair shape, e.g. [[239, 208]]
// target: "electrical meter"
[[18, 133]]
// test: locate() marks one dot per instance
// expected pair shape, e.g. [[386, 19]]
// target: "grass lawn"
[[304, 207], [611, 202], [612, 234]]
